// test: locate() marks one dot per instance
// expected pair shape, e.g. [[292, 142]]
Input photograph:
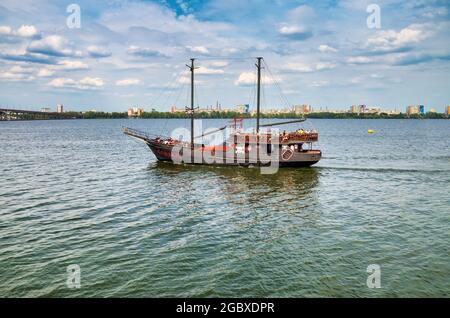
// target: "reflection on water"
[[265, 207], [298, 182]]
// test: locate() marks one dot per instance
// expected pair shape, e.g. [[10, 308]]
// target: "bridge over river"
[[21, 114]]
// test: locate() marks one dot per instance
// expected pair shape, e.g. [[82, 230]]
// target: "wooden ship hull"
[[290, 153], [260, 148]]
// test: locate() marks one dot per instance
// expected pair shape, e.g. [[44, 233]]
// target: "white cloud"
[[64, 65], [249, 78], [359, 5], [318, 83], [183, 6], [83, 84], [308, 68], [27, 31], [356, 80], [376, 76], [326, 48], [359, 60], [158, 18], [14, 77], [17, 69], [390, 40], [297, 23], [218, 64], [325, 66], [45, 72], [246, 78], [298, 67], [98, 52], [230, 50], [17, 73], [208, 71], [61, 82], [5, 30], [92, 82], [184, 80], [198, 49], [72, 65], [288, 30], [432, 13], [53, 45], [124, 95], [144, 52], [128, 82], [295, 32], [155, 29], [187, 80], [21, 55], [301, 13]]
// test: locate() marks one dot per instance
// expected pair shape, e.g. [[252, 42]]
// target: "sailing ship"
[[241, 148]]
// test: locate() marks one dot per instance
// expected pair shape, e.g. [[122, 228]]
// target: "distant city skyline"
[[133, 53], [247, 108]]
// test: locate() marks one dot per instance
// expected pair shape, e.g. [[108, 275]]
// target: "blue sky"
[[133, 53]]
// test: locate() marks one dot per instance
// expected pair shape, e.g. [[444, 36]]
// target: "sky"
[[134, 53]]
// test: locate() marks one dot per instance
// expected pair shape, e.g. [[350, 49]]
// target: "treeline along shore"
[[230, 114]]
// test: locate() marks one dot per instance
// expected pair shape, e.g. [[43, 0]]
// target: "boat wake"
[[383, 170]]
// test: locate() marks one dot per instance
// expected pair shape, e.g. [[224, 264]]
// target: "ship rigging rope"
[[252, 93], [172, 86], [178, 86], [274, 79], [264, 96], [196, 96], [180, 92], [282, 95], [186, 103]]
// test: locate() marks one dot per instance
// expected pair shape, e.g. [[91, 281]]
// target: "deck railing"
[[140, 134], [283, 138]]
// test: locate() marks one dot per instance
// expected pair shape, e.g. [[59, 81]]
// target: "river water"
[[81, 192]]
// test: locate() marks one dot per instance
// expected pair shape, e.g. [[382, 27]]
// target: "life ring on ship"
[[287, 154]]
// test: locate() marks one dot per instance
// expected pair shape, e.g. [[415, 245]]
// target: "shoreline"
[[327, 118], [217, 115]]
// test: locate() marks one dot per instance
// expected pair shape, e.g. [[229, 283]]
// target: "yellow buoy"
[[370, 131]]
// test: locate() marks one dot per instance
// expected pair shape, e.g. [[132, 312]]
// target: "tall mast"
[[258, 96], [192, 68]]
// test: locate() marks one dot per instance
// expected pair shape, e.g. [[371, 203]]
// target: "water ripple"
[[83, 193]]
